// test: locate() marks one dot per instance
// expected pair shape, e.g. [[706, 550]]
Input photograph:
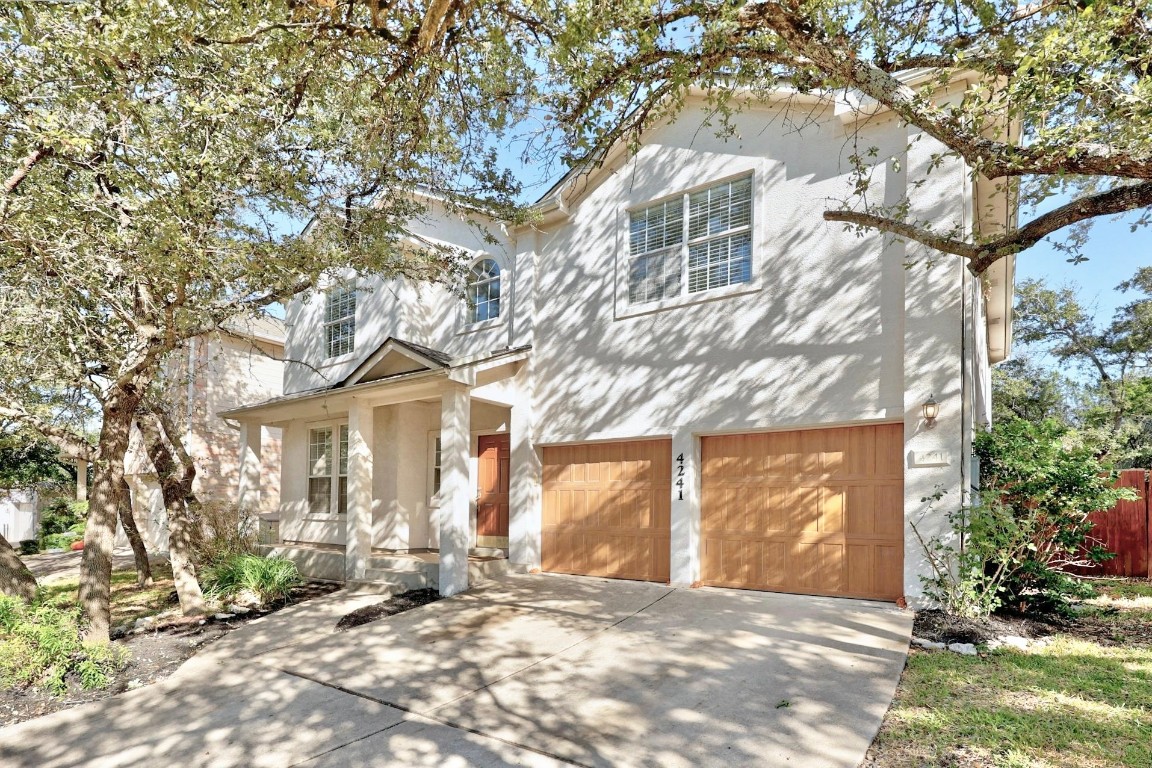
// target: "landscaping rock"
[[964, 649], [928, 645], [144, 623], [223, 616], [239, 610]]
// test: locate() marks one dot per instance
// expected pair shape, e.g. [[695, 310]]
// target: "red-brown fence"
[[1126, 529]]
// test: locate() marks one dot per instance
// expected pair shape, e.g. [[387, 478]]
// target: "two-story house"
[[679, 372], [213, 372]]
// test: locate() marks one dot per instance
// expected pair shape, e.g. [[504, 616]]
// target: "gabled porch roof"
[[416, 383]]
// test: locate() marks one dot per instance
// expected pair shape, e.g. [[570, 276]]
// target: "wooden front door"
[[492, 493]]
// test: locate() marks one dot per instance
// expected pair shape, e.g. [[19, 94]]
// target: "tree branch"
[[1116, 200], [786, 19], [905, 230]]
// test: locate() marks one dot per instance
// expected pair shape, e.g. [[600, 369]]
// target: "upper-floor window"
[[483, 291], [340, 321], [706, 235]]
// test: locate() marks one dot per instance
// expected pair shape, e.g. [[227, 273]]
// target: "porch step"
[[487, 552], [398, 580], [398, 563], [483, 570]]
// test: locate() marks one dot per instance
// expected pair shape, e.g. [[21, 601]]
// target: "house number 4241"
[[680, 477]]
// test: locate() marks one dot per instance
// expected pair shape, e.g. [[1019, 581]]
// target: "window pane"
[[654, 276], [719, 262], [483, 291], [340, 321], [319, 495], [320, 453], [720, 209], [656, 227], [343, 449], [342, 499], [436, 468], [341, 337]]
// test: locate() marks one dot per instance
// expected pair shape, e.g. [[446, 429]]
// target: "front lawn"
[[128, 602], [1082, 700]]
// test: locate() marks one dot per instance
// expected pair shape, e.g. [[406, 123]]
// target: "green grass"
[[1124, 589], [128, 602], [1075, 703]]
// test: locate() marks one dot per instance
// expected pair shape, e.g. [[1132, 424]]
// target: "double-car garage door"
[[811, 511]]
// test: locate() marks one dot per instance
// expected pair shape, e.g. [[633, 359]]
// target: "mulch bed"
[[155, 654], [389, 607], [1104, 626]]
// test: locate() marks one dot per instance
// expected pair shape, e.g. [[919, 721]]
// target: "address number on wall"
[[680, 477]]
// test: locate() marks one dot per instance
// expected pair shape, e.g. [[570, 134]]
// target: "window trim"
[[624, 306], [326, 323], [465, 324], [338, 429], [432, 491]]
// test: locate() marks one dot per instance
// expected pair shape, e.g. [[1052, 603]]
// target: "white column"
[[685, 555], [455, 408], [358, 540], [248, 491], [81, 480], [524, 512]]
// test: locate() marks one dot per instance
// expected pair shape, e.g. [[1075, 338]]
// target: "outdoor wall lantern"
[[931, 411]]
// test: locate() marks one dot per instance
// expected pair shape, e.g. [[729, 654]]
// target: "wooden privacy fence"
[[1126, 529]]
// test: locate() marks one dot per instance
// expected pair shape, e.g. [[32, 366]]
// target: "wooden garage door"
[[606, 509], [815, 511]]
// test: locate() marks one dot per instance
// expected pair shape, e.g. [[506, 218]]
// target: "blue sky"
[[1114, 253]]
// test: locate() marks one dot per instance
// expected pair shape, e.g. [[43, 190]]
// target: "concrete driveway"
[[530, 670]]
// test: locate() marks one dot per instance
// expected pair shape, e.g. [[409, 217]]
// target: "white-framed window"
[[705, 235], [437, 456], [328, 471], [483, 291], [340, 321]]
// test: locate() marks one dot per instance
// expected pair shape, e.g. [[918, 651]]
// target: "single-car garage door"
[[815, 511], [606, 509]]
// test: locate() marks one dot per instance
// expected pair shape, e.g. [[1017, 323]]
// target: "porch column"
[[358, 541], [81, 480], [248, 492], [455, 412], [524, 518]]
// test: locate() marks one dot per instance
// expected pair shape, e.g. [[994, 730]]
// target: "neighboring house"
[[19, 515], [209, 374], [678, 373]]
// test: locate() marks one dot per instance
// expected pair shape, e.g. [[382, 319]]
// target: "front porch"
[[390, 571], [401, 481]]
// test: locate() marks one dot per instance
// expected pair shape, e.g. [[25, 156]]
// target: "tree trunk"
[[15, 578], [108, 476], [176, 488], [139, 552]]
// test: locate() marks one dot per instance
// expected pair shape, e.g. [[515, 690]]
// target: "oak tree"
[[1072, 75], [160, 161]]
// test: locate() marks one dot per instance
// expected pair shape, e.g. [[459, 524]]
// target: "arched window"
[[484, 291]]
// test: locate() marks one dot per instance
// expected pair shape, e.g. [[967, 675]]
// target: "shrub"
[[42, 644], [61, 515], [220, 530], [1031, 521], [269, 578], [59, 541], [29, 547]]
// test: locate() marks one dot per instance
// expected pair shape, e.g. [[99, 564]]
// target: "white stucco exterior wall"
[[835, 329]]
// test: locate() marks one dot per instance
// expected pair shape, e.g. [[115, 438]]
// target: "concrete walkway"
[[530, 670]]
